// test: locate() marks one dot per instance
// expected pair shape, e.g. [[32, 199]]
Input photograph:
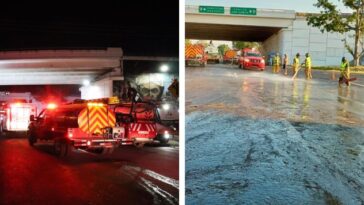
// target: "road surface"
[[129, 176], [260, 138]]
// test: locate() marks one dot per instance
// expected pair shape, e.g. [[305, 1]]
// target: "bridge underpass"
[[229, 27], [229, 32], [102, 68], [282, 31], [47, 67]]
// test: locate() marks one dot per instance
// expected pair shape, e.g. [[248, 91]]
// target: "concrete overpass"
[[227, 26], [57, 66], [64, 66], [283, 31], [103, 68]]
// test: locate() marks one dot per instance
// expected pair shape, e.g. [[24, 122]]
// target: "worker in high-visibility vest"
[[296, 64], [276, 62], [308, 64], [345, 72], [285, 64]]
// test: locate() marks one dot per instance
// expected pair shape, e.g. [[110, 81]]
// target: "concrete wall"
[[325, 48], [99, 89]]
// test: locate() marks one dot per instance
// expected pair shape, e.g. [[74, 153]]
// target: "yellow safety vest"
[[308, 62], [344, 65], [345, 71], [276, 60], [296, 61]]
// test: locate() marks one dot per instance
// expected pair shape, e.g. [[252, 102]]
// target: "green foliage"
[[203, 42], [354, 69], [223, 48], [243, 44], [331, 19]]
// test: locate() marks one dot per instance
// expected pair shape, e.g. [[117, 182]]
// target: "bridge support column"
[[104, 86], [280, 42]]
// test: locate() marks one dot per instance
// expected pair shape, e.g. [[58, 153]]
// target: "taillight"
[[51, 106], [70, 133]]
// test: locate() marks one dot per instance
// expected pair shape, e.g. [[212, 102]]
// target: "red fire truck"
[[14, 115], [136, 122], [79, 125], [251, 59], [195, 55]]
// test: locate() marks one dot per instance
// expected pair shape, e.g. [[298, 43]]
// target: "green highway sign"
[[243, 11], [211, 9]]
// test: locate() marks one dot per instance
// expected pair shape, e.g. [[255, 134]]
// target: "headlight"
[[165, 106], [166, 135]]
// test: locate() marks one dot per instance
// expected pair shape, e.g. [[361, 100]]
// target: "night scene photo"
[[89, 102]]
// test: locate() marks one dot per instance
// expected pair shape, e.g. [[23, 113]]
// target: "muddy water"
[[258, 138]]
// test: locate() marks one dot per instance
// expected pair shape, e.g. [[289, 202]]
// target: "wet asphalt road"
[[260, 138], [128, 176]]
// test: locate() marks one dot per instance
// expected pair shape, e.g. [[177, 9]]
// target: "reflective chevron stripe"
[[142, 127], [93, 118], [193, 50]]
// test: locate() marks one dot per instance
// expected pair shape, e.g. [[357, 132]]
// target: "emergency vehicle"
[[195, 55], [251, 59], [137, 123], [230, 57], [14, 115], [80, 125], [168, 112], [212, 53]]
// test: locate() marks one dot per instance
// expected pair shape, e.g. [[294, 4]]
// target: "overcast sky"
[[297, 5]]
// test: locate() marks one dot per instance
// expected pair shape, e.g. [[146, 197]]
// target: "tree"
[[223, 48], [205, 43], [331, 19], [243, 44]]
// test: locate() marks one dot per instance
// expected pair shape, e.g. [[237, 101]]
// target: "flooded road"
[[33, 175], [261, 138]]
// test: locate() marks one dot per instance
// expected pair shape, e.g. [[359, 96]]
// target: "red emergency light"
[[51, 106]]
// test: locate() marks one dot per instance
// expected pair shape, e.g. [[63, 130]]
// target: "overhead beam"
[[229, 32], [149, 58], [41, 80]]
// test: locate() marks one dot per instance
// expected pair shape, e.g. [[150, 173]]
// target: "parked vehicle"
[[251, 59], [80, 125], [195, 55], [137, 121], [230, 57], [168, 125], [14, 115], [212, 53]]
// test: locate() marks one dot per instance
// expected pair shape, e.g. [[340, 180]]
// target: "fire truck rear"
[[14, 116], [195, 55], [81, 125], [136, 123]]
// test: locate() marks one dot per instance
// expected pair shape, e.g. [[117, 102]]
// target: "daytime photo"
[[274, 102]]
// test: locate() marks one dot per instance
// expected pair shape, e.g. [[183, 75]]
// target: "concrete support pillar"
[[103, 88]]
